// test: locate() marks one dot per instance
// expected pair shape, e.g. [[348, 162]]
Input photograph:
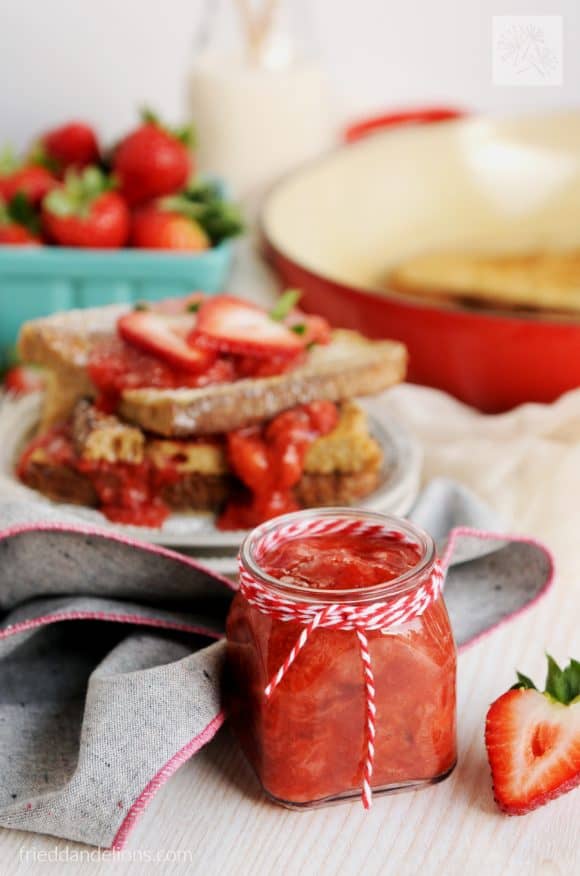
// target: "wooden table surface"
[[210, 819]]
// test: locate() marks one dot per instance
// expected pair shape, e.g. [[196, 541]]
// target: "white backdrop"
[[63, 58]]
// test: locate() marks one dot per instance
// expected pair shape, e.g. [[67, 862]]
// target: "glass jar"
[[258, 93], [339, 643]]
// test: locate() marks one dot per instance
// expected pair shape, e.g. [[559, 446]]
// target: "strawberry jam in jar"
[[341, 660]]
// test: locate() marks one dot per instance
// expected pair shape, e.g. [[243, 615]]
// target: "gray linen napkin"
[[110, 664]]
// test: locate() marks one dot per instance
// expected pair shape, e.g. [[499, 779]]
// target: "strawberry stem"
[[79, 191], [203, 203], [285, 304], [185, 134], [562, 685]]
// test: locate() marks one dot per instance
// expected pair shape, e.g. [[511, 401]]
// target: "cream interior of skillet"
[[480, 187]]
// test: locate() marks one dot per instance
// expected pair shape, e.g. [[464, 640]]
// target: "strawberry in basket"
[[74, 144], [24, 177], [86, 211], [152, 161]]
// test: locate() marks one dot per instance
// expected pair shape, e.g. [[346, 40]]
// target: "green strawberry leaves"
[[221, 220], [203, 203], [8, 161], [79, 192], [285, 304], [523, 682], [39, 156], [186, 134], [149, 116], [20, 210], [562, 685]]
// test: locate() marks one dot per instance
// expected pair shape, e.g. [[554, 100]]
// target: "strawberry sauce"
[[115, 366], [340, 562], [269, 461], [126, 493], [306, 742]]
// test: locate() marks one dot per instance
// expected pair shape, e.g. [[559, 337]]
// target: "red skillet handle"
[[420, 116]]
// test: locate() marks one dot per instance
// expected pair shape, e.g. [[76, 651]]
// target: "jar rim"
[[404, 583]]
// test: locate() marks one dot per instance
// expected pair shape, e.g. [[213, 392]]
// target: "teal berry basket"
[[39, 280], [36, 281]]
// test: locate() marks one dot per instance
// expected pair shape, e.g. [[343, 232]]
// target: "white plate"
[[395, 494]]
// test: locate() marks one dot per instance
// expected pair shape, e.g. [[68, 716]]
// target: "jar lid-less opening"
[[408, 581]]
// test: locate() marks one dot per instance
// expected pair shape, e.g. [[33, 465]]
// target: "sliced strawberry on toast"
[[230, 325], [164, 335], [533, 740]]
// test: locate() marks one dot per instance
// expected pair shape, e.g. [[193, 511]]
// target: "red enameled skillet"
[[335, 226]]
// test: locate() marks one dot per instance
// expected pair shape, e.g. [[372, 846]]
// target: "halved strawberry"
[[164, 335], [533, 740], [231, 325]]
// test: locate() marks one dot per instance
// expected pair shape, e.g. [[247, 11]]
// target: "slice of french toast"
[[348, 366], [340, 467]]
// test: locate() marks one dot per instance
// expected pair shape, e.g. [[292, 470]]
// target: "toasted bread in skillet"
[[349, 366], [546, 281]]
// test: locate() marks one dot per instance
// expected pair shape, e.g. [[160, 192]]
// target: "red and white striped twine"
[[359, 618]]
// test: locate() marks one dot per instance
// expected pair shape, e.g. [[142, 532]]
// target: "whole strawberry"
[[533, 740], [152, 161], [156, 226], [86, 212], [12, 234], [72, 145], [26, 178]]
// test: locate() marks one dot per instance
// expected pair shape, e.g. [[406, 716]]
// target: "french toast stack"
[[264, 422]]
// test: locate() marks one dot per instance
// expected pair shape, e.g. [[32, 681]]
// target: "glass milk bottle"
[[258, 98]]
